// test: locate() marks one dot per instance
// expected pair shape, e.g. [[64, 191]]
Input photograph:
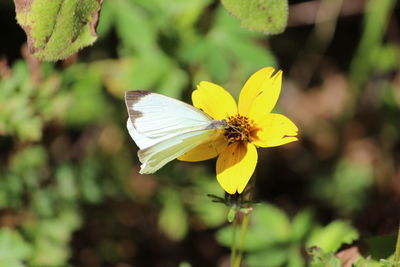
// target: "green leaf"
[[268, 226], [383, 263], [295, 258], [88, 183], [50, 236], [376, 18], [30, 129], [380, 247], [58, 28], [88, 103], [332, 236], [29, 160], [268, 16], [351, 181], [301, 225], [48, 253], [324, 259], [173, 219], [127, 17], [185, 264], [13, 249], [107, 19], [368, 262], [225, 46], [66, 184], [274, 256], [210, 213]]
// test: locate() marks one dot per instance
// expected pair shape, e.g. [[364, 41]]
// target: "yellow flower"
[[249, 125]]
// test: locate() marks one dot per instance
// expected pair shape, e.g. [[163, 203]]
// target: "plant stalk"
[[396, 259], [233, 245], [245, 223]]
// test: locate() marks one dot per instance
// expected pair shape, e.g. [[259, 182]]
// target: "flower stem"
[[396, 259], [233, 245], [245, 223]]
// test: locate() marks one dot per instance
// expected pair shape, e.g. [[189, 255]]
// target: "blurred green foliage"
[[373, 55], [320, 258], [13, 248], [274, 240], [70, 192], [347, 188], [35, 107], [332, 236]]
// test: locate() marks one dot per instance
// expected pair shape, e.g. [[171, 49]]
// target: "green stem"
[[396, 259], [245, 223], [233, 245]]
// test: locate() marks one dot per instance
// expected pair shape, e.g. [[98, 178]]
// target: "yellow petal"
[[235, 165], [214, 100], [260, 92], [275, 130], [205, 151]]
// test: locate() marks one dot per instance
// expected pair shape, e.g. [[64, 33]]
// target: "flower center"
[[239, 129]]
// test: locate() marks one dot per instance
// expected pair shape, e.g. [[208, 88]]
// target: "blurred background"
[[70, 191]]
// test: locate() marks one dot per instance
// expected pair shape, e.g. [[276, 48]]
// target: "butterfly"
[[165, 128]]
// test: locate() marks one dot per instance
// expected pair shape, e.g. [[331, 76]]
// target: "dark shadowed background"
[[70, 191]]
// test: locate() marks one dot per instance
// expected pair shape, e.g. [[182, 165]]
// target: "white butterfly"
[[165, 128]]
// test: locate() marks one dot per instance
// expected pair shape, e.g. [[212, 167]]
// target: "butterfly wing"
[[164, 128], [160, 117], [156, 156]]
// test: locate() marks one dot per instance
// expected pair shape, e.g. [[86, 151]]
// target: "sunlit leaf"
[[332, 236], [58, 28], [301, 225], [269, 225], [13, 249], [276, 256], [268, 16], [320, 258], [295, 258], [52, 236]]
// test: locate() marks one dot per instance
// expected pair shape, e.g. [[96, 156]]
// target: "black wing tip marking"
[[132, 97], [135, 95]]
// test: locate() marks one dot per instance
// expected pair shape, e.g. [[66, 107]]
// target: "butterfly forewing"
[[157, 116]]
